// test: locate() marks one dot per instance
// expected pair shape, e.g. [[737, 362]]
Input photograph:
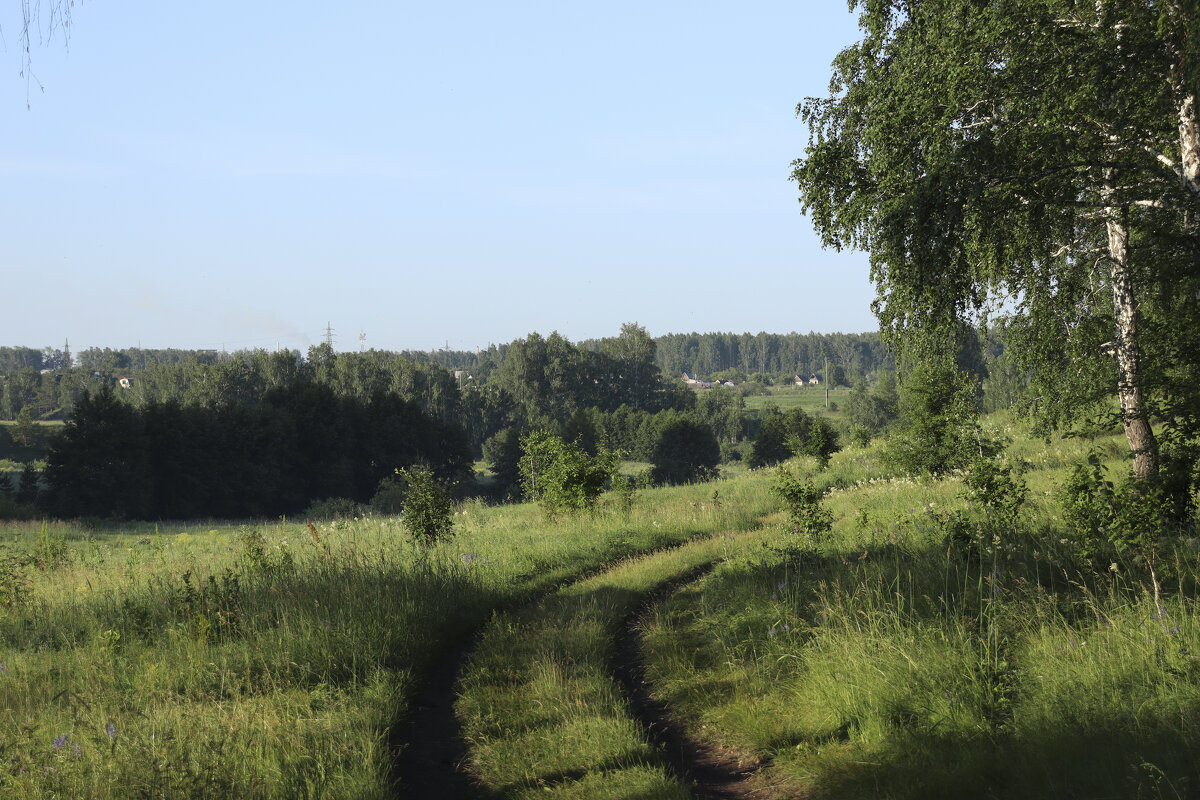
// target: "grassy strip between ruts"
[[540, 706], [904, 658], [269, 660]]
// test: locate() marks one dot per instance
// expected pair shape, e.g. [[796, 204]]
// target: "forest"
[[154, 434]]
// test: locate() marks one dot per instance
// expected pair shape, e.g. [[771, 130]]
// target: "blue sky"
[[228, 174]]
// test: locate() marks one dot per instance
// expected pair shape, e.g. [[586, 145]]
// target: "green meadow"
[[920, 648]]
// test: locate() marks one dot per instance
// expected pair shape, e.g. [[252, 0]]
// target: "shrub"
[[938, 430], [333, 508], [807, 516], [389, 497], [1126, 515], [428, 512], [560, 475]]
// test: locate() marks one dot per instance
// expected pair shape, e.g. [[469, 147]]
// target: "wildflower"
[[111, 730], [76, 751], [786, 627], [781, 585], [1175, 628], [60, 741], [771, 632], [4, 667]]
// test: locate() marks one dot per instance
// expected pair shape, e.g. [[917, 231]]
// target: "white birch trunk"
[[1129, 384]]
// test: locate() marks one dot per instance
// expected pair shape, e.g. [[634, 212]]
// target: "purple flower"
[[76, 751], [60, 741], [4, 667], [781, 586], [1175, 628], [111, 730], [771, 633], [786, 627]]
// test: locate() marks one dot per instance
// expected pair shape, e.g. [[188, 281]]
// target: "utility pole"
[[827, 384]]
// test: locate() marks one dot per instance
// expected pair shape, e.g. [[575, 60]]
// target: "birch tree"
[[1036, 159]]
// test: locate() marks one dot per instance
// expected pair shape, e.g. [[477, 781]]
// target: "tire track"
[[708, 772], [427, 748]]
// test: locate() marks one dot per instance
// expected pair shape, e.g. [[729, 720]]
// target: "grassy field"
[[268, 660], [810, 398], [919, 649], [901, 660]]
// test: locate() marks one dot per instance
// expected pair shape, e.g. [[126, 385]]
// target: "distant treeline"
[[50, 381], [706, 354], [177, 433], [298, 443]]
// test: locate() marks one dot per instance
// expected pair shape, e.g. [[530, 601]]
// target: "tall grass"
[[923, 651], [268, 660], [540, 704]]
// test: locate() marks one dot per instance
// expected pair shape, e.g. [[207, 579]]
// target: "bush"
[[30, 487], [333, 508], [560, 475], [1126, 515], [938, 430], [781, 436], [389, 497], [428, 511], [807, 516]]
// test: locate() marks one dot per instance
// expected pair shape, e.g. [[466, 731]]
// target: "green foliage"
[[29, 489], [624, 490], [808, 519], [938, 429], [25, 430], [873, 410], [302, 443], [502, 453], [977, 191], [14, 585], [428, 510], [686, 451], [782, 435], [994, 485], [389, 497], [333, 508], [1121, 515], [561, 475], [212, 610]]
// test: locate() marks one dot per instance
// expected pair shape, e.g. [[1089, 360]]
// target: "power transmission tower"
[[362, 341], [329, 335]]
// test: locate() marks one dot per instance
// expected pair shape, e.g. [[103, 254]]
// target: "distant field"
[[810, 398]]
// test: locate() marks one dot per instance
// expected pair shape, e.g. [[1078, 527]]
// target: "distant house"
[[693, 382], [813, 379], [799, 381]]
